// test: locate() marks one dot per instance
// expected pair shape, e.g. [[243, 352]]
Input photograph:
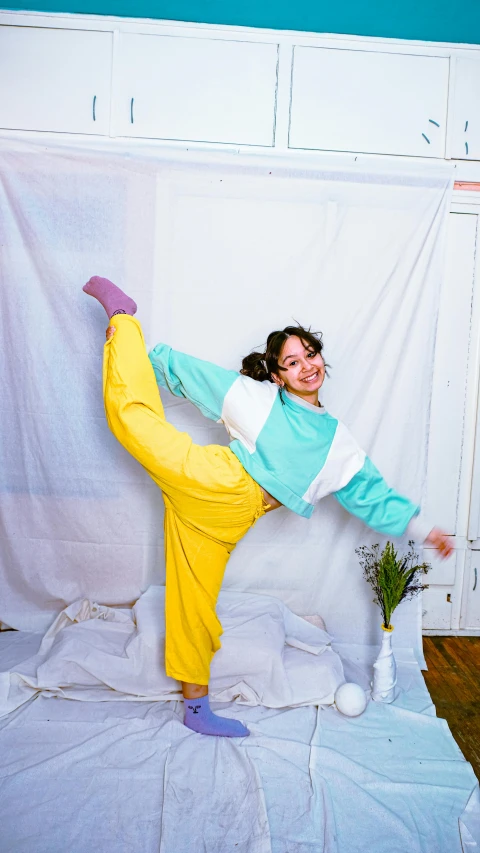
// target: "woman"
[[286, 449]]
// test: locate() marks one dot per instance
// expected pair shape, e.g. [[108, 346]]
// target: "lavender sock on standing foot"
[[114, 300], [200, 718]]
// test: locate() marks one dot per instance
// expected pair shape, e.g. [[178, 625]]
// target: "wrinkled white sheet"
[[216, 253], [269, 656], [128, 776]]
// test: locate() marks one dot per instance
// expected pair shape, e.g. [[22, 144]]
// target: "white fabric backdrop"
[[216, 254]]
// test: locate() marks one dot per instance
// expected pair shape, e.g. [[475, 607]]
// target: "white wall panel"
[[204, 90], [55, 79], [355, 100], [450, 374]]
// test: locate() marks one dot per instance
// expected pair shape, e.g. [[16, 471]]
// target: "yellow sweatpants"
[[210, 501]]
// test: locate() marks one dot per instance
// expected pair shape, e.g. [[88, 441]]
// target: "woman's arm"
[[368, 497], [201, 382]]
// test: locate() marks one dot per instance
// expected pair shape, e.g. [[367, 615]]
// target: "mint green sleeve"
[[201, 382], [368, 497]]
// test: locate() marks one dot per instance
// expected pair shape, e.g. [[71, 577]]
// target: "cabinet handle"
[[131, 110], [93, 107], [466, 126], [475, 584], [466, 148]]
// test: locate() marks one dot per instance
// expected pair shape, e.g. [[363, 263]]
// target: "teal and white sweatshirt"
[[298, 452]]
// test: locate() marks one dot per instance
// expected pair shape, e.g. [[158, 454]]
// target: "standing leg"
[[195, 565]]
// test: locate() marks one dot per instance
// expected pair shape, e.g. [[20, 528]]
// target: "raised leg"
[[114, 300], [134, 409]]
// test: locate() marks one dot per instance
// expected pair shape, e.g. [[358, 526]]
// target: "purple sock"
[[114, 300], [200, 718]]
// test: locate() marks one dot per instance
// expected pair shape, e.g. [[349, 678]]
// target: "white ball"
[[350, 699]]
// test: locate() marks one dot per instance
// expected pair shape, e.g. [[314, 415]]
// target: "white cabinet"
[[437, 599], [198, 89], [437, 609], [465, 115], [55, 79], [355, 100], [471, 609]]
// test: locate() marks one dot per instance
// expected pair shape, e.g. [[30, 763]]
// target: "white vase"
[[385, 670]]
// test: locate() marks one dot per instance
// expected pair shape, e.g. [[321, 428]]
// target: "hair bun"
[[253, 365]]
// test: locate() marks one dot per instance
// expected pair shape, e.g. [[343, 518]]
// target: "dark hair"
[[261, 365]]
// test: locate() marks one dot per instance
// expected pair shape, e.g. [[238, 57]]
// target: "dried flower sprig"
[[392, 579]]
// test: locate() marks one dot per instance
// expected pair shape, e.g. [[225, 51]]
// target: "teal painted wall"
[[427, 20]]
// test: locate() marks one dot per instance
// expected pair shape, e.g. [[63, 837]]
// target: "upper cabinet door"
[[204, 90], [466, 110], [56, 80], [383, 103]]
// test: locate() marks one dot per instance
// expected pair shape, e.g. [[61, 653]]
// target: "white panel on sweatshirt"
[[246, 408], [345, 459]]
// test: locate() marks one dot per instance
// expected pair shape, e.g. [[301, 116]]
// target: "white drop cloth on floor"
[[124, 776], [129, 776], [269, 655]]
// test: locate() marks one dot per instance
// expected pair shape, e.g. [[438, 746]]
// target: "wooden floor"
[[453, 681]]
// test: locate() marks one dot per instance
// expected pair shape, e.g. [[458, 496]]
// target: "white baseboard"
[[453, 632]]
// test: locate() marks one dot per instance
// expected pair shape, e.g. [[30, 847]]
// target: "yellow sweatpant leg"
[[210, 501]]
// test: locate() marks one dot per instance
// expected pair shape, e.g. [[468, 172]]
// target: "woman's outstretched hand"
[[441, 541]]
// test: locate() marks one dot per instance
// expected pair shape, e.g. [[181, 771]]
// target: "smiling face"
[[302, 370]]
